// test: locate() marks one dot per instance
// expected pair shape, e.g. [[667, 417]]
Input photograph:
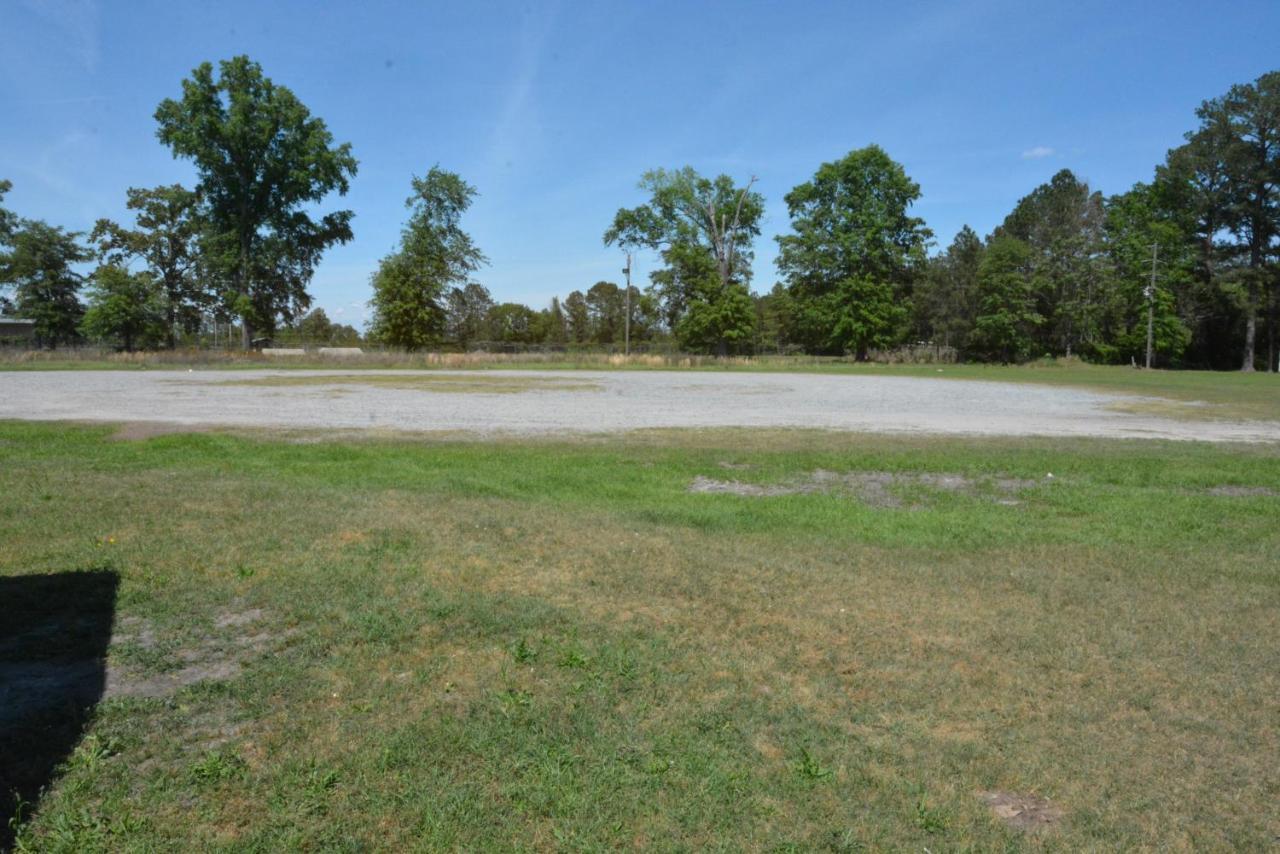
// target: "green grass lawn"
[[397, 645]]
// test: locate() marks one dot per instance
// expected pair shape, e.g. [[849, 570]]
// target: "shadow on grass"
[[54, 632]]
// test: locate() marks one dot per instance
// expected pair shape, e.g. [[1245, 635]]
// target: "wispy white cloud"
[[517, 120], [78, 22], [56, 102], [58, 166], [1038, 153]]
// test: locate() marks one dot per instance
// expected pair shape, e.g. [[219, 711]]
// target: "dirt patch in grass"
[[240, 618], [213, 728], [1028, 813], [140, 431], [209, 657], [1228, 491], [710, 486], [875, 488], [125, 682]]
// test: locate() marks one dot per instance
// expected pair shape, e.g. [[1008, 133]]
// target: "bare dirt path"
[[549, 402]]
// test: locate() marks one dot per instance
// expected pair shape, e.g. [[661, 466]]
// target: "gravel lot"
[[595, 402]]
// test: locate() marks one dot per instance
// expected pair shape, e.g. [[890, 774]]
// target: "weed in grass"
[[516, 699], [523, 653], [92, 752], [845, 841], [18, 830], [321, 781], [81, 830], [574, 658], [217, 767], [809, 768], [930, 819]]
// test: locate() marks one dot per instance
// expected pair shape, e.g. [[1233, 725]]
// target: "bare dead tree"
[[725, 234]]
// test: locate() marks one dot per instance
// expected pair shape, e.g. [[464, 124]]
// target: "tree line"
[[1183, 266]]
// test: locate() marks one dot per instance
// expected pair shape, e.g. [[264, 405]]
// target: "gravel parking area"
[[550, 402]]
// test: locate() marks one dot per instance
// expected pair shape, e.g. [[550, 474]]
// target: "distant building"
[[17, 332]]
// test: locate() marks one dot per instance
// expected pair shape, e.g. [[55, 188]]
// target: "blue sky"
[[553, 110]]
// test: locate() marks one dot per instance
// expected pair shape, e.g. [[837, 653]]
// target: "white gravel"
[[619, 401]]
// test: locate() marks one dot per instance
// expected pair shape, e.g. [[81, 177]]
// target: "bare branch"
[[737, 223]]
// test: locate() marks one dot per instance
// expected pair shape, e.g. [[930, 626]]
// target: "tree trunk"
[[1251, 311], [1250, 335], [1271, 332], [246, 334]]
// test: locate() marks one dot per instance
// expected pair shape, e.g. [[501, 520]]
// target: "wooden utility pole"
[[626, 346], [1151, 304]]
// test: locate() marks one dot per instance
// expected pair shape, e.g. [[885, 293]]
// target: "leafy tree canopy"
[[435, 253], [852, 219], [854, 246], [1007, 320], [946, 298], [1238, 145], [263, 160], [703, 228], [166, 241], [467, 313], [8, 220], [126, 309], [39, 268]]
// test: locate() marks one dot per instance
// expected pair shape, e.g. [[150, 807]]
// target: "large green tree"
[[264, 161], [467, 314], [557, 325], [1005, 327], [774, 322], [1192, 186], [126, 309], [578, 317], [1242, 130], [8, 223], [38, 266], [854, 252], [945, 299], [8, 220], [1143, 234], [703, 229], [512, 323], [316, 328], [1062, 223], [606, 309], [434, 254], [166, 241]]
